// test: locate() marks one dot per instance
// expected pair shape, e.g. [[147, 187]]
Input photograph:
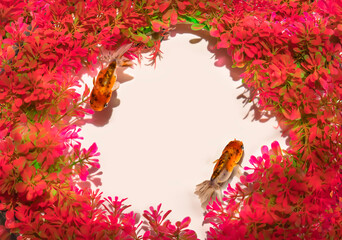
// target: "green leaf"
[[145, 29], [150, 43], [189, 19], [54, 192], [197, 26], [36, 164], [198, 13]]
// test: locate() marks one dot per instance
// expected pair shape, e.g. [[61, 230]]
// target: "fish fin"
[[116, 86], [108, 56], [238, 172], [121, 50], [216, 161], [124, 63], [223, 176], [207, 191]]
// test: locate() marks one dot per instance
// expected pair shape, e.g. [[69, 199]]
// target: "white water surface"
[[165, 126]]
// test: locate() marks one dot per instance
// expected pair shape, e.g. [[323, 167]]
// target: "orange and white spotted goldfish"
[[211, 189], [105, 82]]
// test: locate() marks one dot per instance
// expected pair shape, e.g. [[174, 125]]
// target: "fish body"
[[105, 82], [211, 189], [104, 85]]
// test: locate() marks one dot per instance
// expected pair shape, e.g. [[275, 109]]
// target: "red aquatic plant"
[[282, 201], [291, 52]]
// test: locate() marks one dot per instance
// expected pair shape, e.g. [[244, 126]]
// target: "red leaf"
[[249, 52], [313, 133], [116, 30], [164, 6], [283, 180], [293, 114], [33, 64], [315, 182], [25, 147], [10, 52], [28, 172], [19, 63], [18, 102], [201, 5], [181, 5], [20, 187], [90, 38], [238, 56], [19, 163], [7, 68], [173, 17], [156, 25], [214, 32], [235, 41]]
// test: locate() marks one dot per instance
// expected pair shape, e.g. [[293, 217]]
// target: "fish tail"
[[122, 49], [120, 52], [207, 191], [113, 56]]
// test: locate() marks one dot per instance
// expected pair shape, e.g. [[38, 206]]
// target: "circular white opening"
[[163, 129]]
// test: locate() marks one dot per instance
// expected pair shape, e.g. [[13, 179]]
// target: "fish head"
[[230, 157], [236, 149]]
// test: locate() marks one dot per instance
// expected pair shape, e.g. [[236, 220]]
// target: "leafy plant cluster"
[[291, 52]]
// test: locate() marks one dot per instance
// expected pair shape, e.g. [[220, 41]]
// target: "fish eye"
[[105, 105], [242, 147]]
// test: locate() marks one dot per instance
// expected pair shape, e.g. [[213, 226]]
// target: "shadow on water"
[[94, 178], [102, 118], [223, 59]]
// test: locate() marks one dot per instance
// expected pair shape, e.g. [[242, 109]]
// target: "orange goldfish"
[[105, 82], [211, 189]]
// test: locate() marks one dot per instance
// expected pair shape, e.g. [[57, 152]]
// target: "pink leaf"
[[276, 147], [86, 91], [264, 150], [93, 149], [84, 173]]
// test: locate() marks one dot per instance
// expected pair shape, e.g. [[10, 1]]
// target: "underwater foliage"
[[291, 52]]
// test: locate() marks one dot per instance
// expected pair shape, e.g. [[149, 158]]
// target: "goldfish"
[[211, 189], [106, 83]]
